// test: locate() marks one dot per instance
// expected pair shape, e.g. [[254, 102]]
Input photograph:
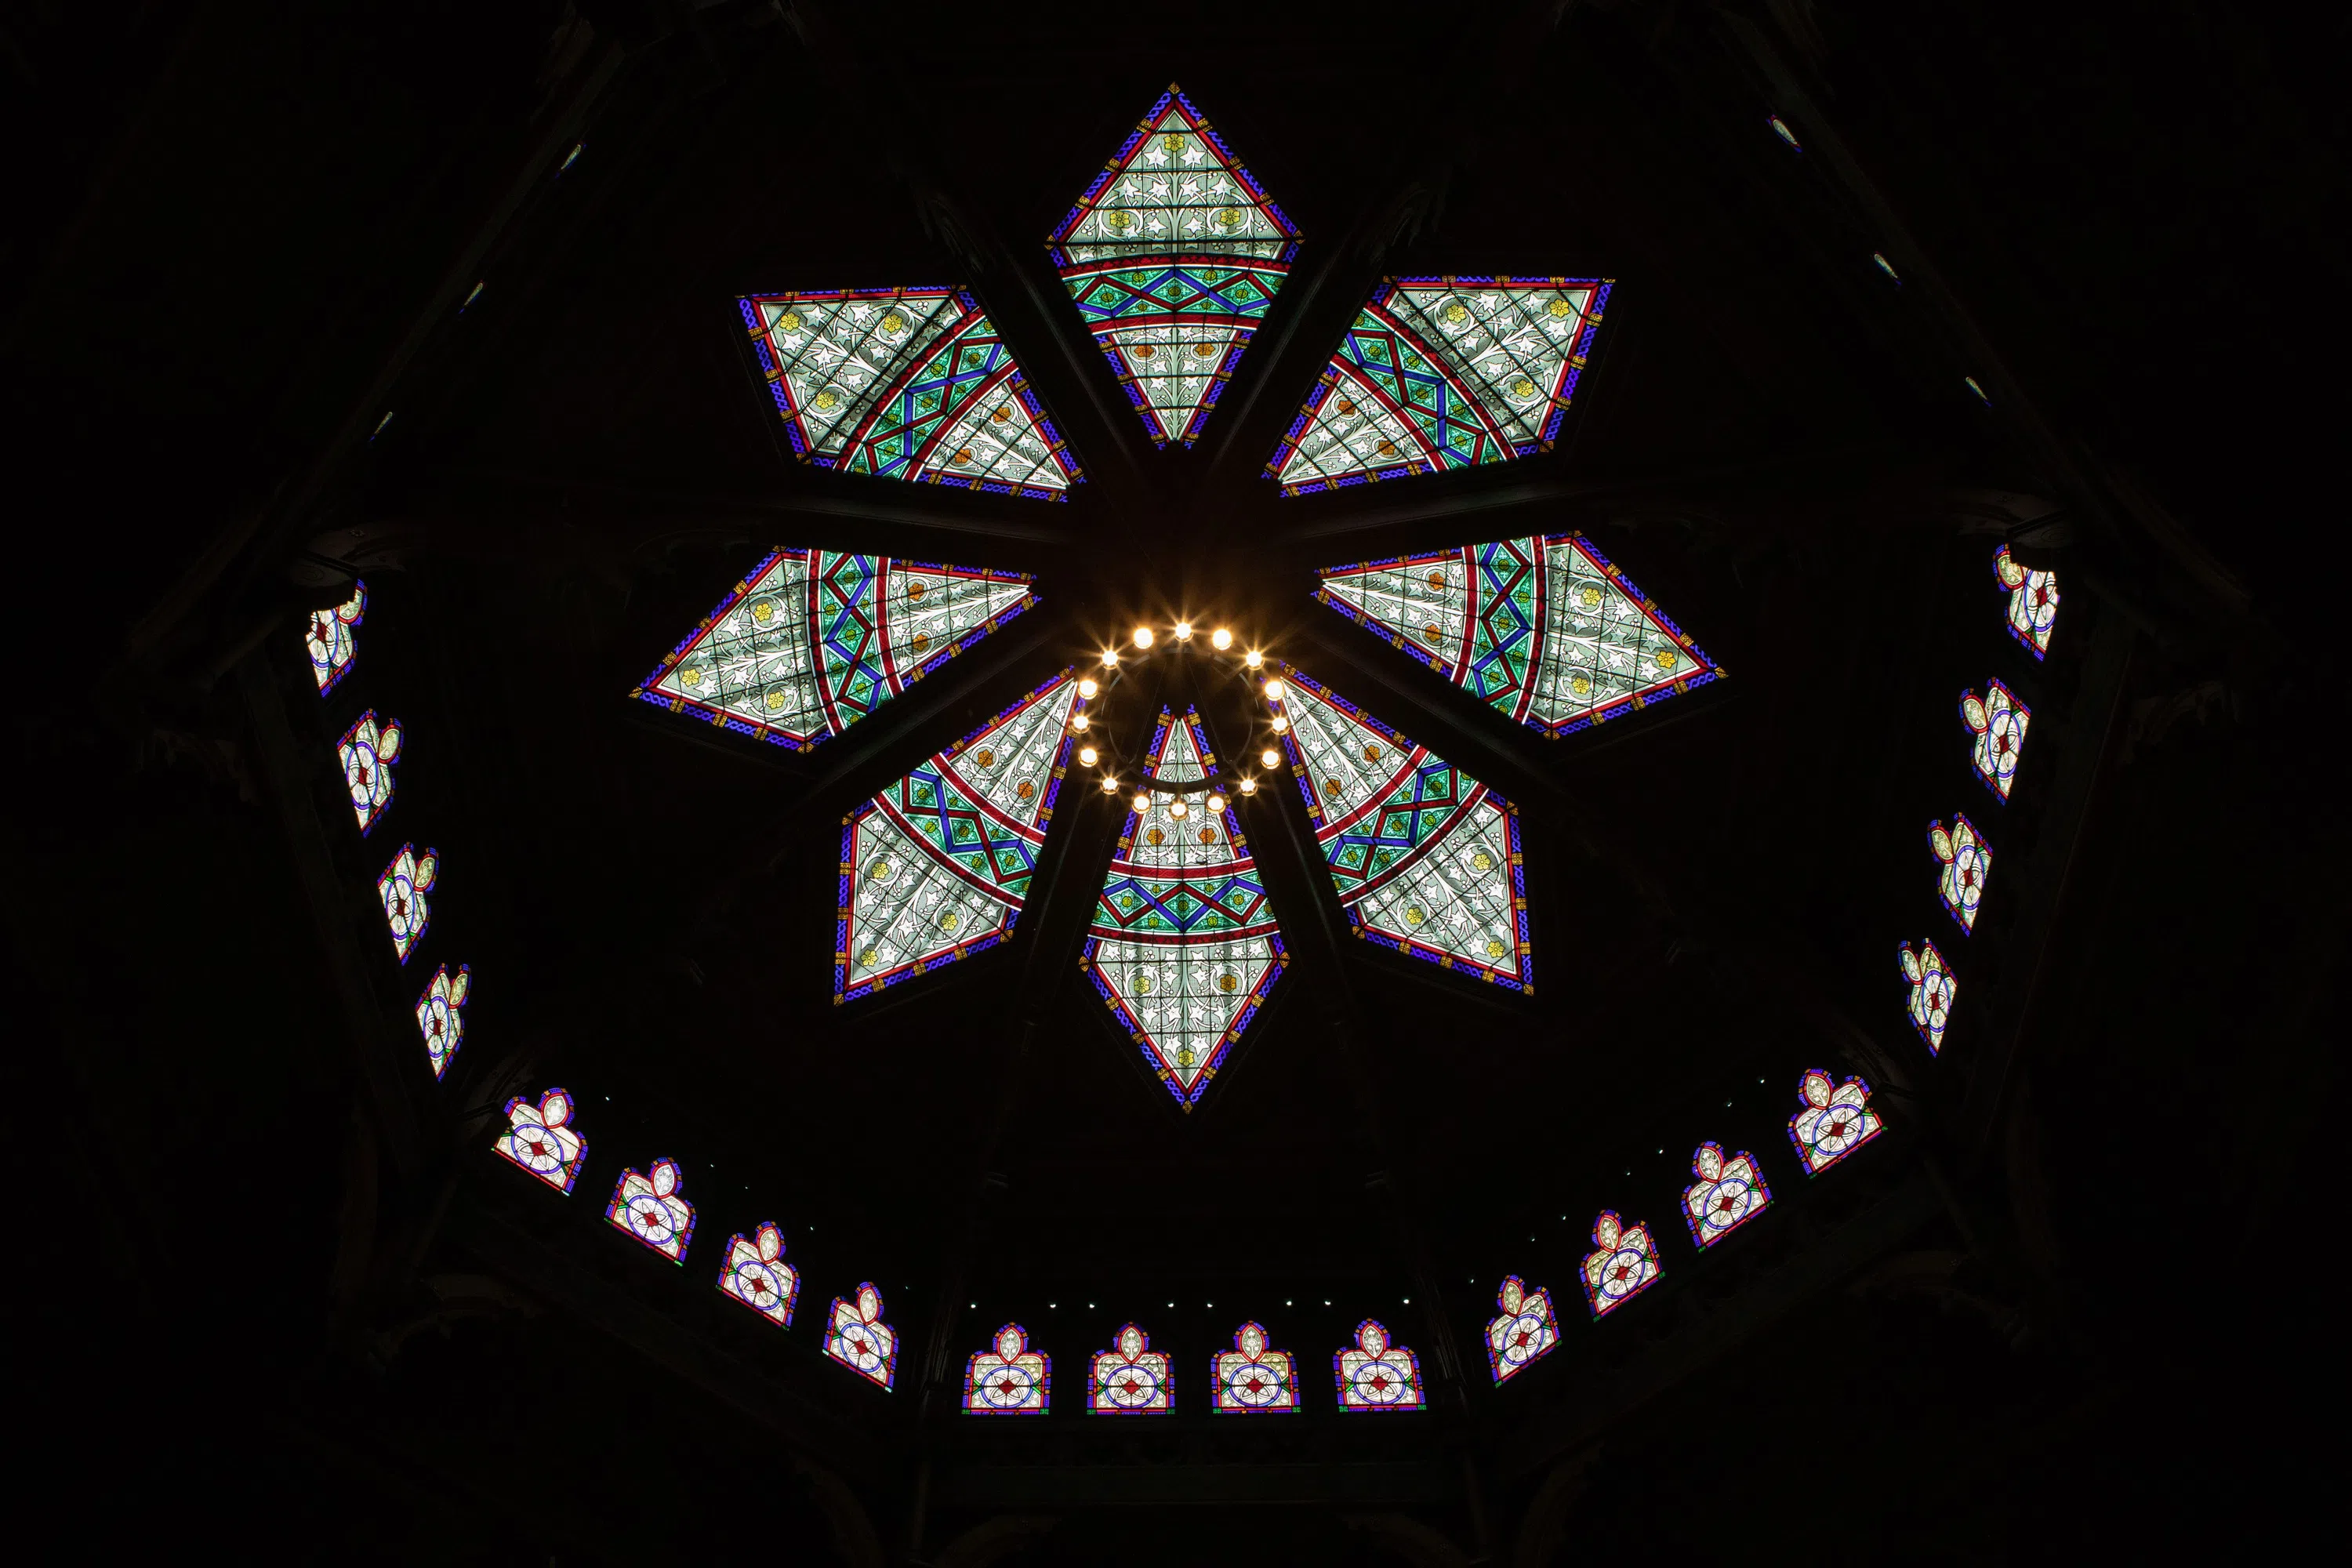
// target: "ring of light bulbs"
[[1143, 640]]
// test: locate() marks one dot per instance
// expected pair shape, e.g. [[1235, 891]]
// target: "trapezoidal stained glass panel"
[[1730, 1192], [1443, 372], [441, 1016], [1375, 1374], [2033, 602], [812, 640], [909, 383], [856, 1337], [1547, 630], [1008, 1378], [403, 887], [1964, 862], [1524, 1331], [1173, 254], [368, 750], [1835, 1121], [1427, 860], [1996, 724], [936, 868], [756, 1274], [649, 1206], [1933, 990], [540, 1138], [1130, 1378], [1622, 1264], [331, 639], [1253, 1379], [1184, 944]]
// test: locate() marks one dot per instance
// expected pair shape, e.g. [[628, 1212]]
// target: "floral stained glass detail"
[[1173, 254], [936, 866], [1997, 721], [1183, 945], [1966, 861], [1546, 629], [2033, 602], [856, 1337], [540, 1138], [1523, 1333], [1835, 1121], [403, 886], [1730, 1192], [1933, 990], [1427, 860], [368, 750], [1375, 1374], [909, 383], [812, 640], [1130, 1378], [1008, 1378], [649, 1206], [331, 640], [1443, 372], [1622, 1264], [756, 1274], [1254, 1379], [441, 1016]]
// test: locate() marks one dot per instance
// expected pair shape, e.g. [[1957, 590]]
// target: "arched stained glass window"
[[814, 640], [1622, 1264], [1253, 1379], [329, 637], [1443, 372], [1967, 861], [1547, 630], [1525, 1332], [909, 383], [1173, 254], [403, 886], [756, 1274], [1130, 1378], [2033, 602], [1426, 858], [1933, 989], [441, 1016], [1997, 721], [1835, 1121], [1376, 1375], [1184, 944], [368, 750], [540, 1138], [857, 1338], [936, 866], [1008, 1378], [1729, 1192], [650, 1208]]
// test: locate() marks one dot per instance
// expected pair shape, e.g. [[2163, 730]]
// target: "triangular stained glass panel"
[[1184, 944], [936, 868], [1443, 372], [909, 384], [1427, 860], [1546, 629], [812, 640], [1172, 255]]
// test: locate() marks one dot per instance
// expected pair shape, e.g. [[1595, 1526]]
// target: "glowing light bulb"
[[1270, 757], [1111, 787], [1216, 803], [1254, 658], [1080, 722], [1086, 687], [1143, 637], [1178, 809], [1280, 724], [1087, 755], [1110, 658], [1142, 801], [1221, 639], [1248, 786], [1183, 630], [1275, 689]]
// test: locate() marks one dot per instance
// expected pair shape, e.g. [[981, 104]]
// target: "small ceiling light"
[[1275, 690], [1270, 757], [1111, 787], [1143, 637], [1087, 755], [1142, 801], [1086, 687], [1183, 630], [1254, 658], [1221, 639], [1248, 786], [1280, 723], [1216, 801], [1080, 722], [1110, 658], [1178, 809]]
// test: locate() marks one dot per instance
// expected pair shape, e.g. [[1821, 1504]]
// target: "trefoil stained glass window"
[[368, 750], [649, 1206], [1997, 722], [1130, 1378], [540, 1138], [1008, 1378], [402, 887], [329, 640], [1376, 1375], [2033, 602], [1253, 1379], [756, 1274], [1835, 1121], [856, 1337], [441, 1016], [1730, 1192], [1966, 861], [1622, 1264], [1523, 1333], [1933, 990]]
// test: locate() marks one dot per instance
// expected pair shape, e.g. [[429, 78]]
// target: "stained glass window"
[[756, 1274], [1253, 1379], [368, 750], [441, 1016], [1426, 857], [2033, 602], [1008, 1378], [1547, 628], [814, 640], [1967, 861], [1130, 1378], [1443, 372], [1998, 721], [909, 384], [1730, 1192], [936, 866], [1184, 944], [540, 1138], [1622, 1264], [1834, 1122], [1933, 989], [1173, 254], [1375, 1374], [1524, 1330], [329, 640], [649, 1207], [859, 1340], [402, 887]]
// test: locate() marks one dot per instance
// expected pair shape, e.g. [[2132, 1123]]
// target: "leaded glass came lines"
[[1547, 630], [812, 640], [1443, 372]]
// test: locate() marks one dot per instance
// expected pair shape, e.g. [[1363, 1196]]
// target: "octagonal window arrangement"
[[1008, 1378], [1376, 1373]]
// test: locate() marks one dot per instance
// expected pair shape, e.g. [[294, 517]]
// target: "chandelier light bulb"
[[1142, 801], [1280, 724], [1143, 637], [1270, 757], [1080, 722], [1086, 687], [1254, 658], [1221, 639], [1087, 755], [1247, 786], [1275, 689], [1110, 658], [1111, 787], [1216, 803], [1178, 809], [1183, 630]]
